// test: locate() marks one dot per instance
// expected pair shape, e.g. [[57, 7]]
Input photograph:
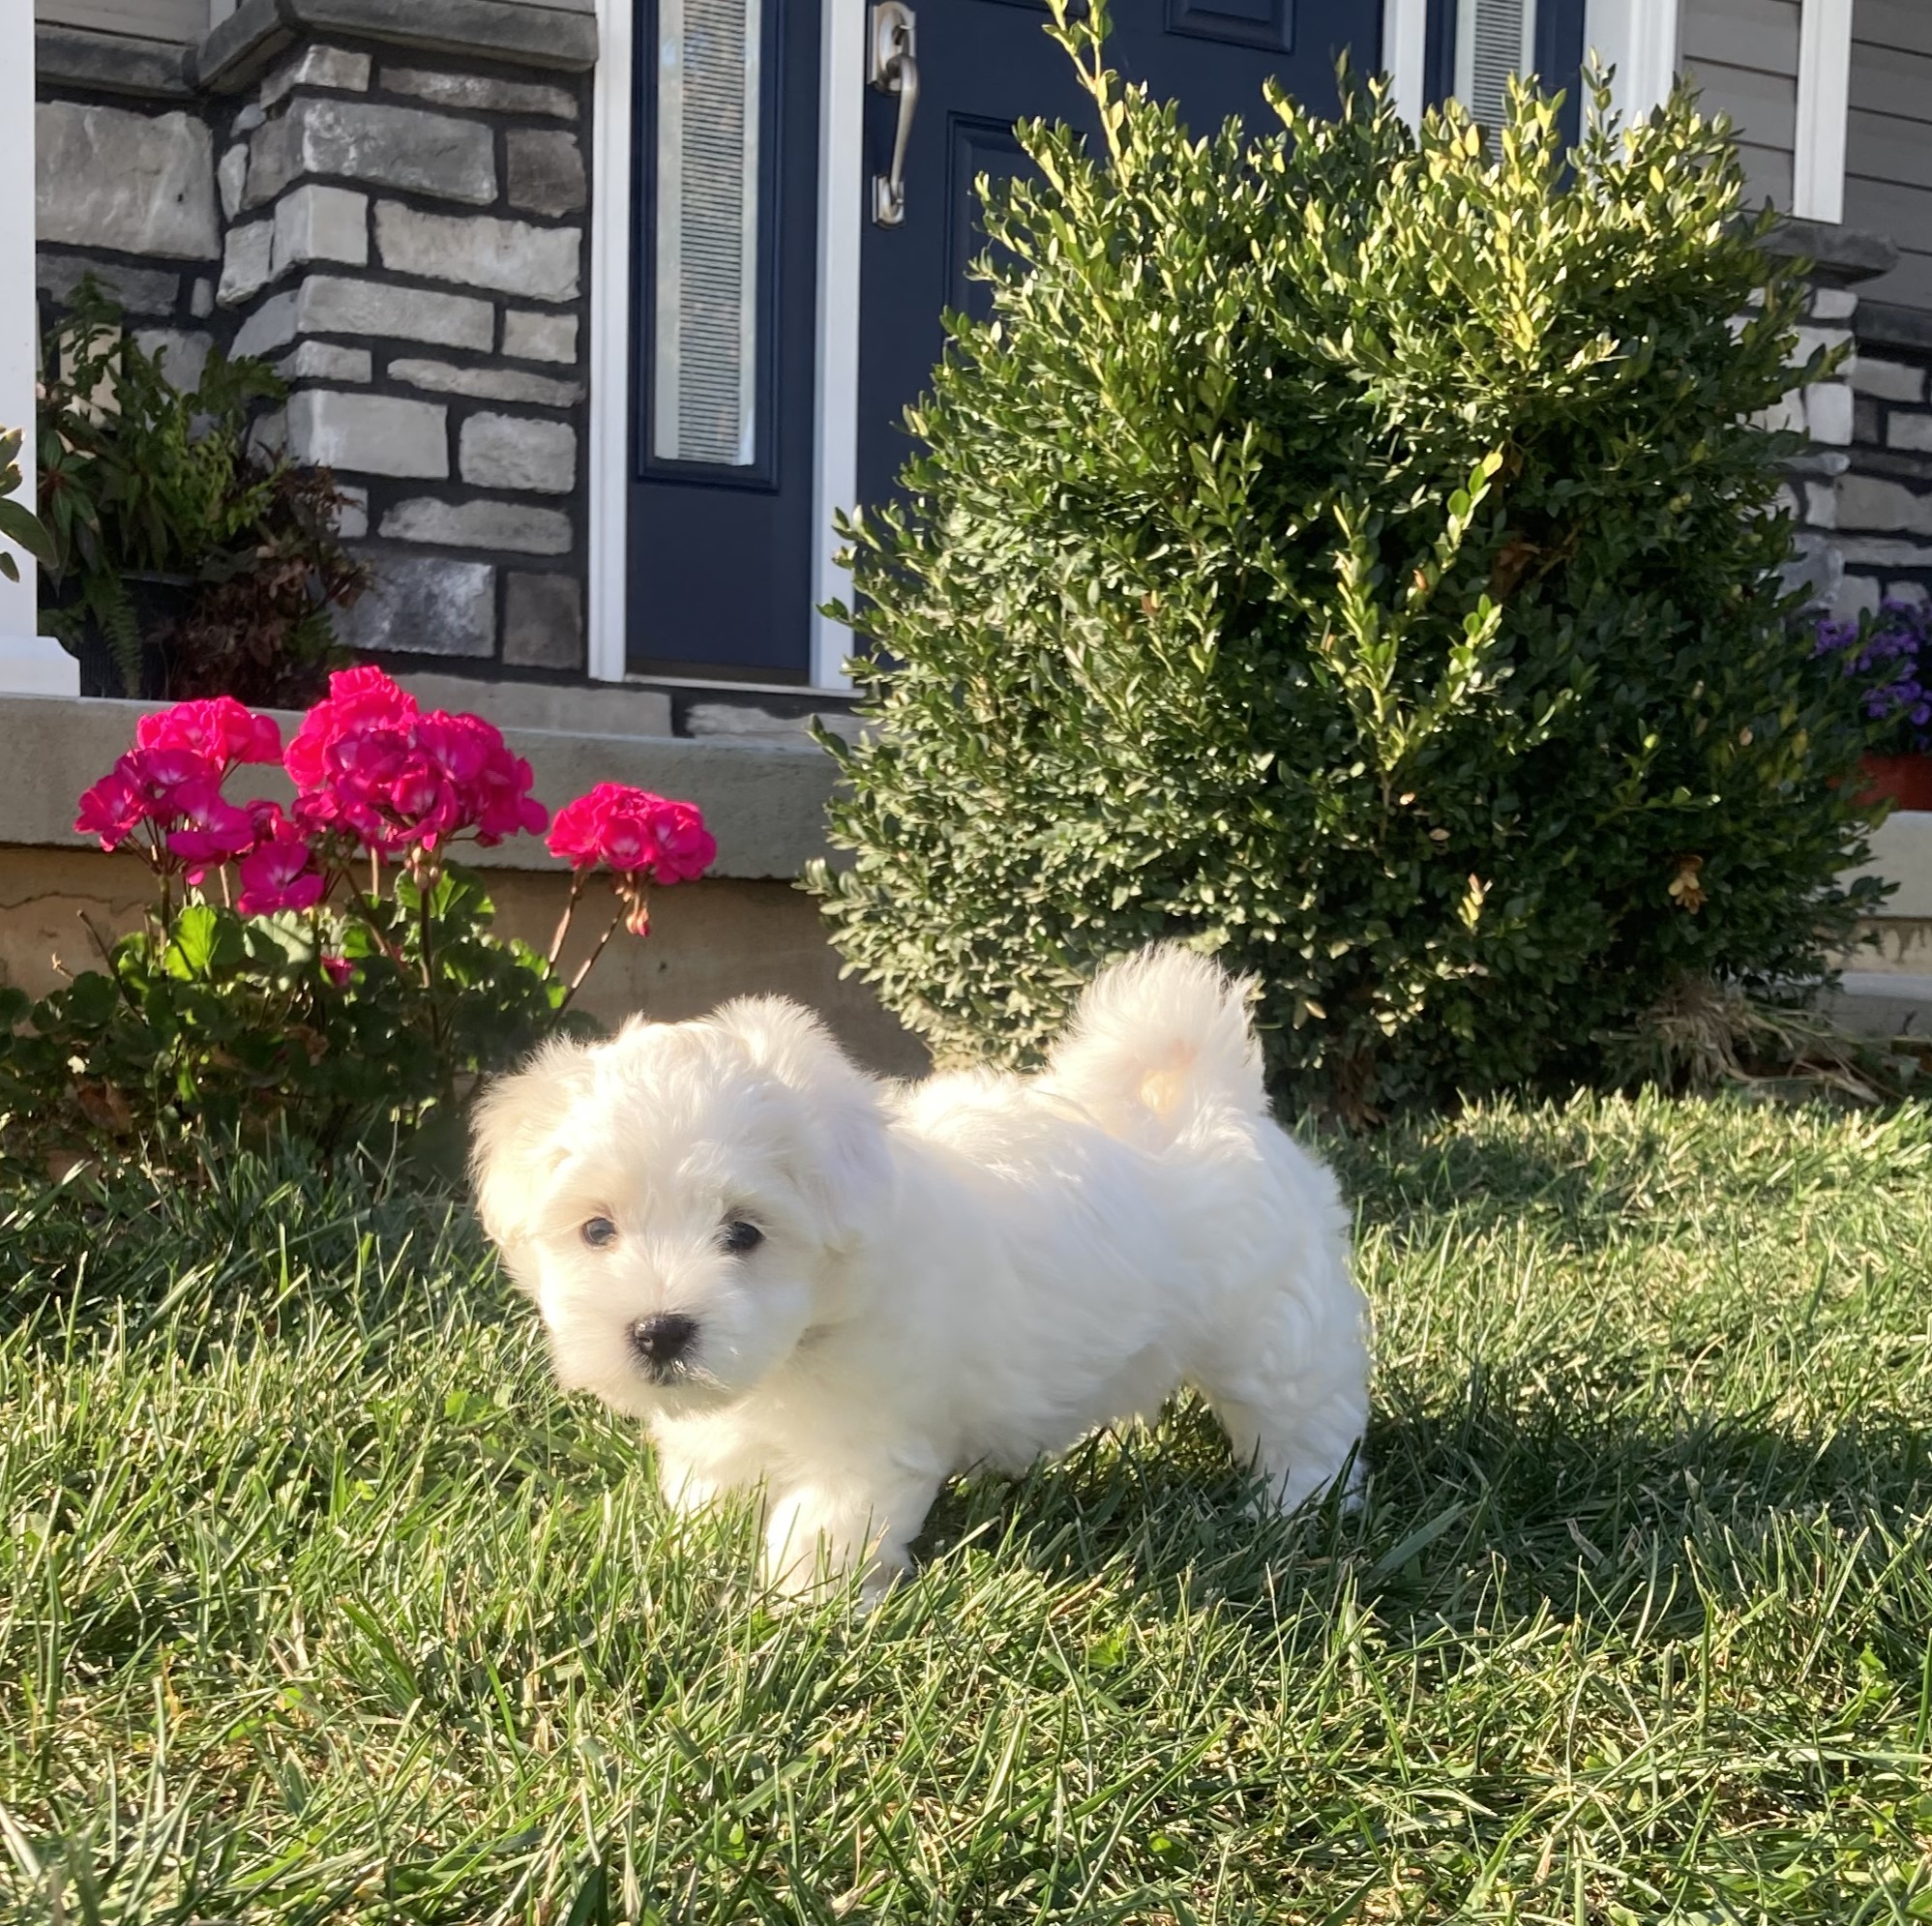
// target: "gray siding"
[[149, 19], [1888, 144], [1742, 54]]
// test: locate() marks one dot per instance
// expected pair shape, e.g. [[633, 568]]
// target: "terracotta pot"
[[1903, 780]]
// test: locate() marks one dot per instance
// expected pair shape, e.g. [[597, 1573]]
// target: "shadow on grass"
[[1474, 1511]]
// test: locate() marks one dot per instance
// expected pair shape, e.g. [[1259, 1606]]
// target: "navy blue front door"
[[724, 290], [985, 64]]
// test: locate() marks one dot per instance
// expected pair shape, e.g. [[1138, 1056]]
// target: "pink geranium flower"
[[633, 832], [160, 775], [368, 761], [280, 872], [359, 701], [112, 809], [219, 730], [207, 828]]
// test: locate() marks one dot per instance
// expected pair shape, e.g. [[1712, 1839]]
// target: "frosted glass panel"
[[705, 334]]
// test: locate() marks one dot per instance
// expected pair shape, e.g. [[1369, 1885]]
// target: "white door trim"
[[1824, 111], [1639, 38], [612, 171], [1405, 48], [834, 473]]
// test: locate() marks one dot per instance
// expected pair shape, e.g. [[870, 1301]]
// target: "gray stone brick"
[[1868, 502], [1827, 413], [271, 326], [1910, 432], [324, 361], [353, 517], [1832, 304], [423, 605], [368, 434], [1821, 504], [332, 304], [248, 262], [1875, 552], [520, 527], [545, 168], [184, 354], [518, 452], [539, 336], [1817, 566], [364, 141], [140, 290], [480, 250], [489, 384], [137, 184], [477, 90], [201, 298], [317, 67], [1888, 380], [1811, 340], [543, 621], [231, 176], [320, 223]]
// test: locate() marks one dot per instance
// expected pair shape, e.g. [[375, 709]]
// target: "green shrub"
[[1350, 549]]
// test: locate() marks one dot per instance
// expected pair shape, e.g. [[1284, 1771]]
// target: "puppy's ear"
[[844, 1159], [514, 1143]]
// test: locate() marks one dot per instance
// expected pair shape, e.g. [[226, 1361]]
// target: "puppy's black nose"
[[663, 1341]]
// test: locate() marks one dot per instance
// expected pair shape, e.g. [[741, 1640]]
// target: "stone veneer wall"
[[1884, 503], [1823, 413], [402, 233]]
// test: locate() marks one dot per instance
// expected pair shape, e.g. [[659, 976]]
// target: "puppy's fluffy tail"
[[1160, 1044]]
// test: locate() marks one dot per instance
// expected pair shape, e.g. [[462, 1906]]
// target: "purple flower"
[[1889, 654]]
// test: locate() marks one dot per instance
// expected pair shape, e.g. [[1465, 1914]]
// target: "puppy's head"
[[679, 1200]]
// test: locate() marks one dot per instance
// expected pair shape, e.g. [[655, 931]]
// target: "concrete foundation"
[[709, 940]]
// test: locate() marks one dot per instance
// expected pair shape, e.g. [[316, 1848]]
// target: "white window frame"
[[1639, 38], [1404, 49]]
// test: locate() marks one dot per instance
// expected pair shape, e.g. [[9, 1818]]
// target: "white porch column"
[[30, 664], [609, 341], [1639, 38], [1824, 111]]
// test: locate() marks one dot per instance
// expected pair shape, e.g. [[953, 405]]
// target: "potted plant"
[[187, 561], [1889, 654]]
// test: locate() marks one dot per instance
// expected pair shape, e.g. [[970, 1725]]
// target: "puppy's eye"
[[739, 1236], [599, 1232]]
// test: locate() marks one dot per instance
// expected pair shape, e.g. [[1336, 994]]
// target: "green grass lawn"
[[316, 1602]]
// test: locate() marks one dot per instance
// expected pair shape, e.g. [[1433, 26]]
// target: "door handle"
[[893, 70]]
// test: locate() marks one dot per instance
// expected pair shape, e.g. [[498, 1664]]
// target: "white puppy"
[[841, 1292]]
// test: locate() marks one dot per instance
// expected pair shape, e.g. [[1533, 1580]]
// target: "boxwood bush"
[[1350, 549]]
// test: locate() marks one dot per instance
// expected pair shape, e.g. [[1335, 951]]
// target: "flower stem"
[[563, 922], [584, 968]]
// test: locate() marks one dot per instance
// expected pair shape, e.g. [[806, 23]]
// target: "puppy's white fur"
[[975, 1270]]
